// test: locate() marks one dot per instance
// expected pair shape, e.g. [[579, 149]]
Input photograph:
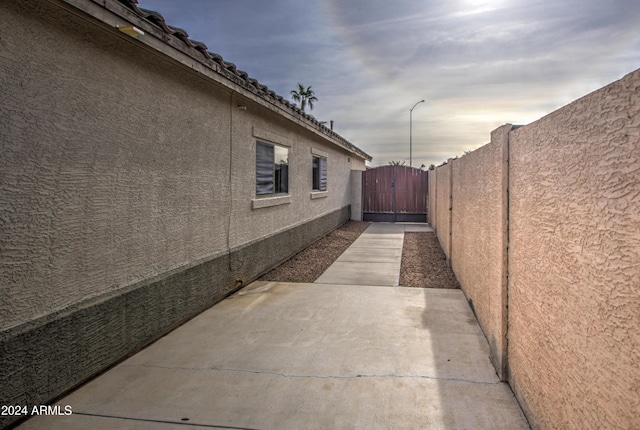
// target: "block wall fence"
[[542, 228]]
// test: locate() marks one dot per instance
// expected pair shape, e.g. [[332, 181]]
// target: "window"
[[272, 169], [319, 173]]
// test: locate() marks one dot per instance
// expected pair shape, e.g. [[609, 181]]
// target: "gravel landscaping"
[[424, 264], [307, 265]]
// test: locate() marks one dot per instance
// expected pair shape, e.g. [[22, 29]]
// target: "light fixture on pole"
[[410, 131]]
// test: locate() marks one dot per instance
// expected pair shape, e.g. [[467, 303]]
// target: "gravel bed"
[[309, 264], [424, 264]]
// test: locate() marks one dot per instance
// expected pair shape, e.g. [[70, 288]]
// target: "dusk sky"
[[478, 64]]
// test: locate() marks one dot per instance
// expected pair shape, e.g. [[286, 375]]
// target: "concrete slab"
[[418, 228], [77, 421], [372, 259], [292, 356], [396, 236], [376, 242], [372, 255], [384, 228], [361, 273]]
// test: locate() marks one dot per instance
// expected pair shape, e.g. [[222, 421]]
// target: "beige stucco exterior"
[[570, 185], [356, 194], [442, 207], [109, 179], [432, 200], [574, 262], [479, 237], [129, 174], [119, 165]]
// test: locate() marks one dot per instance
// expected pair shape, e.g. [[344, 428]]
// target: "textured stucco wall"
[[48, 356], [127, 189], [433, 200], [358, 164], [116, 165], [356, 195], [573, 267], [443, 207], [107, 179], [574, 262], [479, 237], [248, 224]]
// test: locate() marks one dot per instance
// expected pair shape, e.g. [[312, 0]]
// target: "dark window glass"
[[323, 174], [272, 169], [264, 168], [281, 170], [319, 169]]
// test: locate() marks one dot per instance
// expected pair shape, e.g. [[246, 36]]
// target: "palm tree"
[[304, 96]]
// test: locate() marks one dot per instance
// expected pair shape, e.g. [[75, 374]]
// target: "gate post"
[[357, 191]]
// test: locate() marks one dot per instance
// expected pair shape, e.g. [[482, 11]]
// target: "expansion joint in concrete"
[[184, 423], [292, 376]]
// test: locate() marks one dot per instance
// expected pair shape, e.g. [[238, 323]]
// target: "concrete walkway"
[[373, 259], [310, 356]]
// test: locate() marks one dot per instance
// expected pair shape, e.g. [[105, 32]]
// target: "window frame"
[[319, 173], [317, 193], [277, 186]]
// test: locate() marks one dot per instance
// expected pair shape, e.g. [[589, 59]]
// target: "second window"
[[319, 174]]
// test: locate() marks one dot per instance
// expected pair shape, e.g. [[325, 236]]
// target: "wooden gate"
[[395, 194]]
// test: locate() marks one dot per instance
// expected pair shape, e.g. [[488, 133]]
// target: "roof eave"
[[174, 43]]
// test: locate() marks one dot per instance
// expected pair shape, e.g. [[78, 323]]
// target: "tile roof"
[[240, 77]]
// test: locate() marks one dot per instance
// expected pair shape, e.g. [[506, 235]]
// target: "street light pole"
[[410, 133]]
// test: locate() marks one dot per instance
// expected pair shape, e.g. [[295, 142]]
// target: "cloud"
[[478, 63]]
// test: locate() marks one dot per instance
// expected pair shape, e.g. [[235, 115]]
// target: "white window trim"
[[267, 202], [316, 153], [319, 194], [274, 144]]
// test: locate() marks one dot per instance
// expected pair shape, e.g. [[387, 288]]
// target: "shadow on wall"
[[468, 393], [555, 205]]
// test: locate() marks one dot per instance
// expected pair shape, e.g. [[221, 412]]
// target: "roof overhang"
[[148, 30]]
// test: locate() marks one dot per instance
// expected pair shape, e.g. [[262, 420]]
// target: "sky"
[[478, 64]]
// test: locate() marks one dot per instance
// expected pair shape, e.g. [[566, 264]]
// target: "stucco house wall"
[[574, 262], [129, 189], [252, 221], [479, 238]]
